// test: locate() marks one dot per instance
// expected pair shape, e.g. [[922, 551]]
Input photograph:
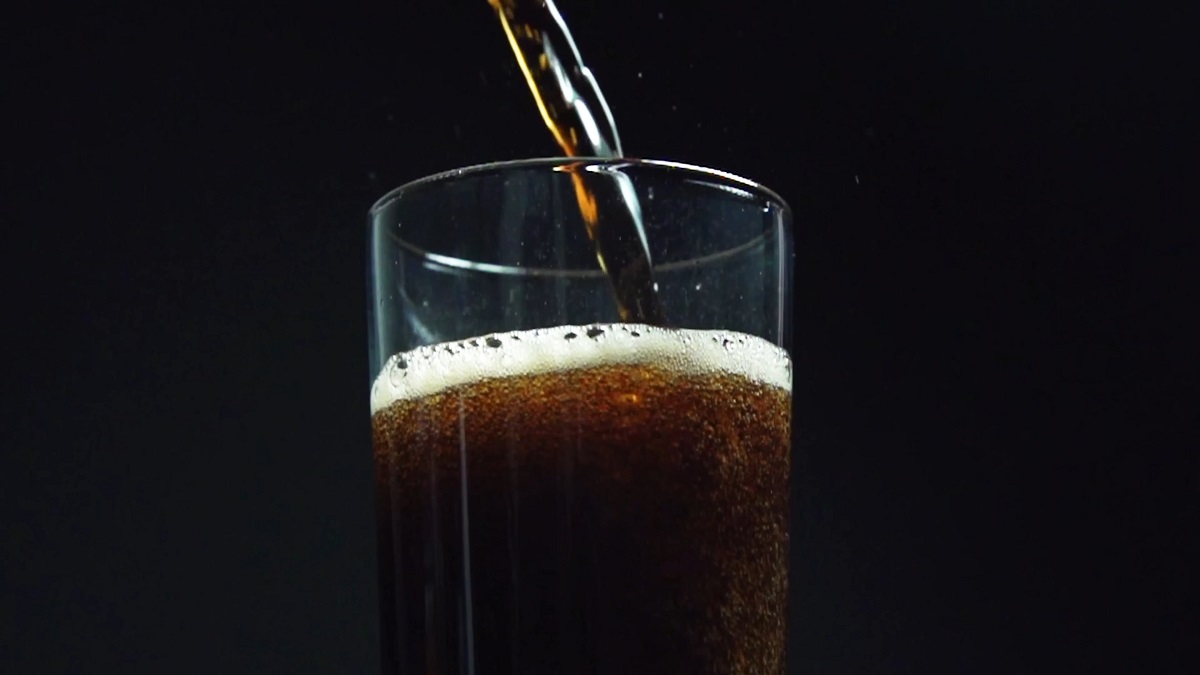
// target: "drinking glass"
[[558, 491]]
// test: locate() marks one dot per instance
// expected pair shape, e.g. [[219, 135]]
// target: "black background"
[[991, 299]]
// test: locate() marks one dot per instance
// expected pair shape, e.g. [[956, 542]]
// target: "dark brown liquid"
[[619, 519], [574, 109]]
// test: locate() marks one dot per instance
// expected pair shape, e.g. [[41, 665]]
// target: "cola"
[[584, 499]]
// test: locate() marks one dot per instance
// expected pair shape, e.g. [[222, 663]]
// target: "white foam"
[[428, 370]]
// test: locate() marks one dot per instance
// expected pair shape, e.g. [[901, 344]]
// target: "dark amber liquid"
[[614, 519]]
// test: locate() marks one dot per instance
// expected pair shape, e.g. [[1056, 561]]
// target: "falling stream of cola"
[[574, 109]]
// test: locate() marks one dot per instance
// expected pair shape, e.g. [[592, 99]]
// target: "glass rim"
[[745, 184], [724, 179]]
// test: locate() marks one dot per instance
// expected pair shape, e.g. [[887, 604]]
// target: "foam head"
[[431, 369]]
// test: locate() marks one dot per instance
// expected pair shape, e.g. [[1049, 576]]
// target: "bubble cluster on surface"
[[428, 370]]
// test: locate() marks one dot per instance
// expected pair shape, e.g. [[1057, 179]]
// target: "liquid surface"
[[429, 370]]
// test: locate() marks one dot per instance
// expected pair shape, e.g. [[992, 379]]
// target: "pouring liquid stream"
[[575, 111]]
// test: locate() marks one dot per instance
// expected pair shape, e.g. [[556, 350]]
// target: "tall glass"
[[558, 492]]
